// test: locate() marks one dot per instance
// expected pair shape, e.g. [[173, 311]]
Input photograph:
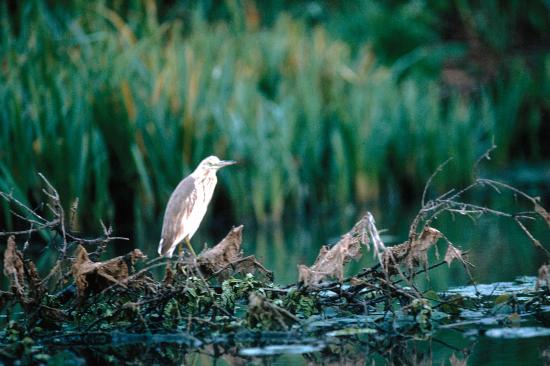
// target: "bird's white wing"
[[179, 206]]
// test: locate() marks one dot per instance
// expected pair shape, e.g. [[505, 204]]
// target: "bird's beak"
[[227, 162]]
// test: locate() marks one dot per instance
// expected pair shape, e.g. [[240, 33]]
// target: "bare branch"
[[437, 171], [485, 156]]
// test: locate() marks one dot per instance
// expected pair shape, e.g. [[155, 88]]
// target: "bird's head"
[[213, 163]]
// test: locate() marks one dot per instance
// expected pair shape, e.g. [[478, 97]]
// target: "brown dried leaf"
[[455, 361], [14, 268], [411, 254], [225, 252], [453, 253], [34, 281], [330, 262], [24, 280], [97, 276], [169, 277], [81, 265], [226, 258]]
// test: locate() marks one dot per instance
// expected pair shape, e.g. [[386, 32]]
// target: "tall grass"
[[117, 109]]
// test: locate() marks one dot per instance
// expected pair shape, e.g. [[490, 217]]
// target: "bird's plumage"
[[179, 206], [188, 204]]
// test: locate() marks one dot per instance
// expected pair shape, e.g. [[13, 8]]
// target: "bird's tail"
[[159, 250]]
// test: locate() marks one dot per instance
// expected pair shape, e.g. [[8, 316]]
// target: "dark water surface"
[[476, 339]]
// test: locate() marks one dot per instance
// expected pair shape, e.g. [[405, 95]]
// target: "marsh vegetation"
[[339, 114], [131, 97]]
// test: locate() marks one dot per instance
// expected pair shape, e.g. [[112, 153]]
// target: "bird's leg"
[[180, 251], [190, 247]]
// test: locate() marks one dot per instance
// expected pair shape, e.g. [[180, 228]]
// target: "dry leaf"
[[14, 268], [23, 277], [34, 282], [330, 262], [225, 252], [455, 361], [169, 277], [411, 254], [454, 253], [226, 258], [100, 275]]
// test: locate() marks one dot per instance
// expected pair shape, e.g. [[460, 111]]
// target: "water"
[[497, 247], [336, 340]]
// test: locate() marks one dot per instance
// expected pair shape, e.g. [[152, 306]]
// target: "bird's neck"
[[205, 184], [202, 175]]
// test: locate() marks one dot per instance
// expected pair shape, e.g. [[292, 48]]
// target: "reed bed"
[[117, 106]]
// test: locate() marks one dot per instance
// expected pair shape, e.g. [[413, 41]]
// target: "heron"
[[188, 204]]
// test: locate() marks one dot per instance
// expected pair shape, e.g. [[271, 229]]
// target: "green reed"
[[117, 109]]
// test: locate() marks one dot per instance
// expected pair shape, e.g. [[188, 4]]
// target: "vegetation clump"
[[184, 83]]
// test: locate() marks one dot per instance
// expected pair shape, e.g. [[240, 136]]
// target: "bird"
[[188, 204]]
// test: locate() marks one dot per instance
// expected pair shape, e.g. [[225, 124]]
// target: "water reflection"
[[441, 348]]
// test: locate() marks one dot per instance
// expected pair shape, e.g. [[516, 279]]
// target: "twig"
[[486, 155], [436, 172]]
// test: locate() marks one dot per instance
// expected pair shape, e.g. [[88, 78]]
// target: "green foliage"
[[453, 304], [129, 101], [171, 314], [300, 303], [234, 289], [101, 308], [422, 312], [196, 297]]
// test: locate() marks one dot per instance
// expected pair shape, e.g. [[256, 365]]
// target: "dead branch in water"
[[38, 222]]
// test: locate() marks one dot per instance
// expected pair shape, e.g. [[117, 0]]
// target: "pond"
[[483, 334], [482, 337]]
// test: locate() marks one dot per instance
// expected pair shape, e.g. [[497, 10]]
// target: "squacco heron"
[[188, 204]]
